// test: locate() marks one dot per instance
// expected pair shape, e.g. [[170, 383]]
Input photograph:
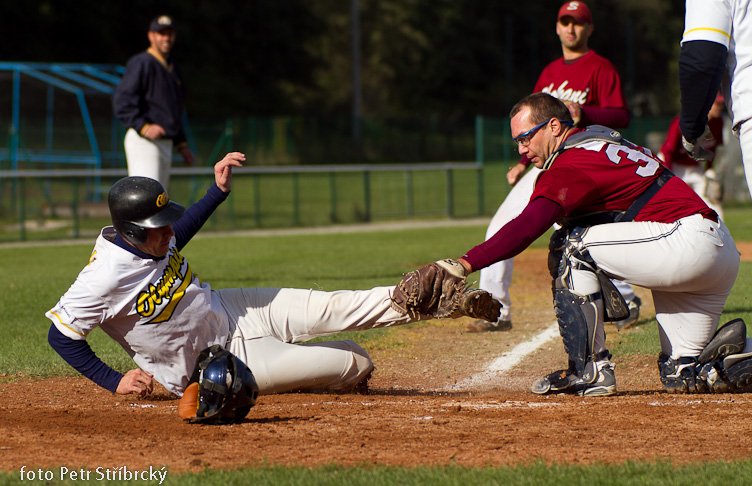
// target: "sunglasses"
[[523, 139]]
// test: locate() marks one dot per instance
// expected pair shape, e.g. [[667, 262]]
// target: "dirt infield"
[[420, 411]]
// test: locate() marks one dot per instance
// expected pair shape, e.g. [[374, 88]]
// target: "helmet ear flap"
[[131, 232]]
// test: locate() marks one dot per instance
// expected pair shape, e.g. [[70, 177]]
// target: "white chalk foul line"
[[509, 360]]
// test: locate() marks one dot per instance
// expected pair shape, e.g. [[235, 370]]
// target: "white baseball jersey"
[[158, 310], [726, 22]]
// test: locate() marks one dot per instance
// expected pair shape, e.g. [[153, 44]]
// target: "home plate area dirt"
[[431, 402]]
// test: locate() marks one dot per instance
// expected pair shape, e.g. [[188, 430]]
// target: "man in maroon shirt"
[[625, 217], [591, 88]]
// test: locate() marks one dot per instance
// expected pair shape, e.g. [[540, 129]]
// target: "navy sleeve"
[[80, 356], [196, 215], [126, 102], [701, 66]]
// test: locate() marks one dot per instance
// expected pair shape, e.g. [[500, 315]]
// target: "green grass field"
[[35, 276]]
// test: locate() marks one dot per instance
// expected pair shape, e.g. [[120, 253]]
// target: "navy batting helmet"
[[137, 203], [226, 387]]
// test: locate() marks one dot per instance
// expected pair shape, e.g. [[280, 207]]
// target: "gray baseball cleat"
[[567, 381]]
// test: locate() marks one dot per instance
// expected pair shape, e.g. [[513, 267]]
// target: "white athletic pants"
[[148, 158], [266, 324], [497, 278], [690, 266], [745, 141]]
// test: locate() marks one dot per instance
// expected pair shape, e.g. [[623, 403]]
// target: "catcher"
[[623, 216], [141, 290]]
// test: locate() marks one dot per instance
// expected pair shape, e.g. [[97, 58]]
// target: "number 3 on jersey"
[[616, 153]]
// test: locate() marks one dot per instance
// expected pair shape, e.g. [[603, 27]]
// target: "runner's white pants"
[[148, 158], [267, 323], [497, 278], [690, 266]]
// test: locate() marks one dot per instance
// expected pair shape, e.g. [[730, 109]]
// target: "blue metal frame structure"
[[77, 79]]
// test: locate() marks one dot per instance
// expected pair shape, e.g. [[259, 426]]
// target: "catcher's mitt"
[[440, 290]]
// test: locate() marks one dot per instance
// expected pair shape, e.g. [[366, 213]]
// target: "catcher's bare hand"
[[136, 381]]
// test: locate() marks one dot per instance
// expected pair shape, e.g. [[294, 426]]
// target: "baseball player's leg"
[[148, 158], [692, 255], [579, 310], [690, 266], [280, 367], [298, 315], [497, 278], [684, 336], [745, 141]]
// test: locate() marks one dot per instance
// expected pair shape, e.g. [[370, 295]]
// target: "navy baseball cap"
[[161, 23]]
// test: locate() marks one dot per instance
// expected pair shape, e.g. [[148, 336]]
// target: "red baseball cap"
[[577, 10]]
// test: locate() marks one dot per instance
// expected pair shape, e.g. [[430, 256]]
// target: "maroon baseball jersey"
[[590, 80], [598, 176]]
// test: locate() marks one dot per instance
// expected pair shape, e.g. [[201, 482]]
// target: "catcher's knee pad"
[[578, 321], [680, 375]]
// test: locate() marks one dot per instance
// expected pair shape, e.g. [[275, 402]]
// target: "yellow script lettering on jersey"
[[169, 289]]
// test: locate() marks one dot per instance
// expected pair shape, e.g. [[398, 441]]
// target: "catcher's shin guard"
[[578, 322]]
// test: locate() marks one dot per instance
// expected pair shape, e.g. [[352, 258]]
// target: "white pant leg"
[[267, 322], [745, 141], [280, 367], [690, 266], [497, 278], [148, 158]]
